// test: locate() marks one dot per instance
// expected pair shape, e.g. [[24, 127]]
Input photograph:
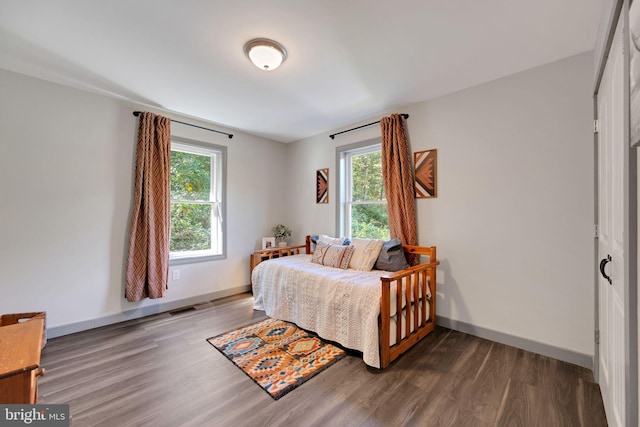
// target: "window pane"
[[190, 176], [366, 177], [370, 221], [190, 227]]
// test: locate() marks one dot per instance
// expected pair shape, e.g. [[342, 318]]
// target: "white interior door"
[[611, 244]]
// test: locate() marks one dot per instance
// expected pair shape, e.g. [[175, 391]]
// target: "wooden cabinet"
[[262, 255], [20, 346]]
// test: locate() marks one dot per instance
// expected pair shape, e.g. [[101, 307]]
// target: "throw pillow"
[[315, 239], [391, 257], [337, 256], [365, 253], [331, 240]]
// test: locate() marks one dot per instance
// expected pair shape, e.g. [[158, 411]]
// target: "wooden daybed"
[[364, 311]]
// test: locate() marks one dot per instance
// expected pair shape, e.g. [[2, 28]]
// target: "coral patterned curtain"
[[148, 258], [398, 182]]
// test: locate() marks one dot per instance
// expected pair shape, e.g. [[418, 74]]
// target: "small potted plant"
[[281, 233]]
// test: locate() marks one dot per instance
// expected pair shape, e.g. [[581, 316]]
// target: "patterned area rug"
[[277, 355]]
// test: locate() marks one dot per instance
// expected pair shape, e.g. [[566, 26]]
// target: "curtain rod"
[[230, 135], [332, 136]]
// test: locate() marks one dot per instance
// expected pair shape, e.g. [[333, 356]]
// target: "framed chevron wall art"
[[425, 177], [322, 185]]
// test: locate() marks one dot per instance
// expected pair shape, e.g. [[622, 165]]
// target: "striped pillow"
[[336, 256]]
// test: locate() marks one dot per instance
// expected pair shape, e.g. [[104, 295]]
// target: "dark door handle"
[[603, 263]]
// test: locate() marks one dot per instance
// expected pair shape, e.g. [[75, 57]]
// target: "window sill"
[[195, 259]]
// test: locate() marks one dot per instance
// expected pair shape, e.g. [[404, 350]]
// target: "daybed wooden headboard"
[[307, 243]]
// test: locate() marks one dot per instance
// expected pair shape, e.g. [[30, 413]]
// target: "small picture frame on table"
[[268, 242]]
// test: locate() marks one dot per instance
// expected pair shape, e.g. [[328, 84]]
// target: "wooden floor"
[[160, 371]]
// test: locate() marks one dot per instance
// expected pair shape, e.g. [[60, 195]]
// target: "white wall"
[[514, 214], [512, 222], [66, 166]]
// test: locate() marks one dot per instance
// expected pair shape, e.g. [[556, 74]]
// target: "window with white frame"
[[197, 201], [363, 203]]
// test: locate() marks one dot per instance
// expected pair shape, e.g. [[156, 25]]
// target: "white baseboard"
[[142, 312], [570, 356]]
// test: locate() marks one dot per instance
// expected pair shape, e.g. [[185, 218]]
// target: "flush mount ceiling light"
[[265, 54]]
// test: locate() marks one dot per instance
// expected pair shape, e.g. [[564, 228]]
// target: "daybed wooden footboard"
[[415, 324]]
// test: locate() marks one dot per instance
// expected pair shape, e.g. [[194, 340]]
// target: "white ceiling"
[[349, 60]]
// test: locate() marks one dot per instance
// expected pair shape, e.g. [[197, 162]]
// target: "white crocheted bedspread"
[[339, 305]]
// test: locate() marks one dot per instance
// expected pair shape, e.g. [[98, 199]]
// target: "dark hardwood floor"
[[160, 371]]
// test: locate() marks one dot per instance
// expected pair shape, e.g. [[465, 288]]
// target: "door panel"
[[611, 244]]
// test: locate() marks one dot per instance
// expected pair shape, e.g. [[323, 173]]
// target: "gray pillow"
[[391, 257]]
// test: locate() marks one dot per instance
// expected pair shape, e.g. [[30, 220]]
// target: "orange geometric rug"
[[277, 355]]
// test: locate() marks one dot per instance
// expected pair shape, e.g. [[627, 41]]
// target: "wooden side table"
[[264, 254], [20, 346]]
